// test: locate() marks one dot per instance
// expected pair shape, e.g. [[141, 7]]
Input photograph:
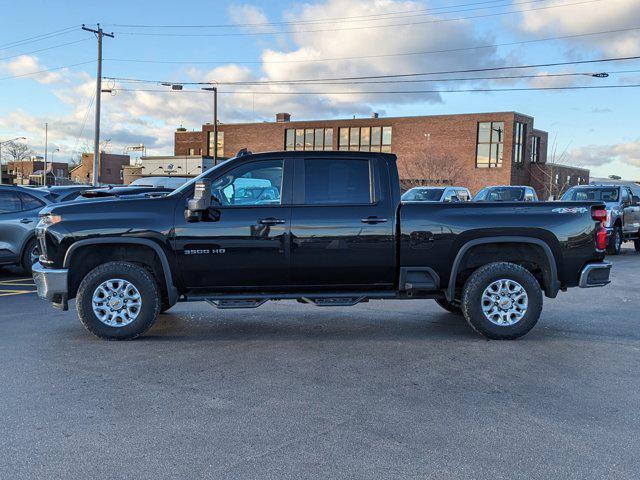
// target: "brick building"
[[110, 169], [474, 150], [29, 172]]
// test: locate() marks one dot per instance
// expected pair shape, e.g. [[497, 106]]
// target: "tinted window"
[[329, 181], [9, 202], [463, 195], [592, 194], [30, 203], [423, 194], [502, 195], [256, 183], [448, 197]]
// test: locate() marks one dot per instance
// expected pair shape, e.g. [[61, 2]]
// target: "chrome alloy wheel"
[[34, 255], [504, 302], [116, 302]]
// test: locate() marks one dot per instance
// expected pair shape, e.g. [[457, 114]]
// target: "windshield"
[[423, 194], [205, 174], [506, 194], [596, 194]]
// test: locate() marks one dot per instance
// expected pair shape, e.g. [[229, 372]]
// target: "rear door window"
[[9, 202], [337, 182], [30, 203]]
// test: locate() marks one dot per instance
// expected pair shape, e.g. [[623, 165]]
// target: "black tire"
[[455, 308], [27, 260], [141, 279], [481, 279], [615, 241], [636, 245]]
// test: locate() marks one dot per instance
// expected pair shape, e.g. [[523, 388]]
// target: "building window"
[[308, 139], [365, 139], [519, 143], [535, 149], [489, 150], [211, 141]]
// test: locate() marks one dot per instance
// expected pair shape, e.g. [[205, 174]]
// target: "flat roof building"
[[474, 150]]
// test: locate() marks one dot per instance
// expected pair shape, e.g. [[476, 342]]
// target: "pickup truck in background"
[[623, 212], [324, 228]]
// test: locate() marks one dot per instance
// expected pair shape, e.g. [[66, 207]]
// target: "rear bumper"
[[51, 283], [595, 275]]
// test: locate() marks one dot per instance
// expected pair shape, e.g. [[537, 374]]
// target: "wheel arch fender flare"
[[554, 285], [172, 291]]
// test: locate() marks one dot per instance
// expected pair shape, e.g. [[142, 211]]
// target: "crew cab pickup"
[[324, 228]]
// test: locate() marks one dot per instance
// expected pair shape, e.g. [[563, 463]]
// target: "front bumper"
[[51, 283], [595, 275]]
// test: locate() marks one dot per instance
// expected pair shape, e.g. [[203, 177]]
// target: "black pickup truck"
[[325, 228]]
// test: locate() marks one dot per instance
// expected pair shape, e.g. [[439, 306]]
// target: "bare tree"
[[16, 151], [552, 175], [430, 169]]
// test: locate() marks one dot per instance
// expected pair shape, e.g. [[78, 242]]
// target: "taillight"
[[600, 216]]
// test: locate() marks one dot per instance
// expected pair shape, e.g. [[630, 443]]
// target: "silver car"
[[623, 212], [437, 194], [19, 208]]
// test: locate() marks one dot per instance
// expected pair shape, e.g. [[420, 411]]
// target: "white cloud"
[[598, 16], [627, 154], [27, 64], [246, 14]]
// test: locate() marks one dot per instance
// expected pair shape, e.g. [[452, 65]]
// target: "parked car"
[[437, 194], [19, 208], [508, 193], [65, 193], [336, 234], [623, 212]]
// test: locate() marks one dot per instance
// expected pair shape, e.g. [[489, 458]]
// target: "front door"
[[242, 243], [342, 224]]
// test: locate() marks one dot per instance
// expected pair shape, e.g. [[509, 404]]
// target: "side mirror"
[[200, 202]]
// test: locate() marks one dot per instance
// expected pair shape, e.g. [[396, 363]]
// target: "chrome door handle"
[[26, 220], [271, 221], [373, 220]]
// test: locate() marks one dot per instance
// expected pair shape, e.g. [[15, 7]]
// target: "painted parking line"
[[7, 293], [13, 281]]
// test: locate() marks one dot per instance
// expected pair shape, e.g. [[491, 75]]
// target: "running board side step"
[[320, 299]]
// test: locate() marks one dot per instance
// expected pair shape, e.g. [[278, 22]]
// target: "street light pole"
[[2, 143], [215, 121], [46, 144]]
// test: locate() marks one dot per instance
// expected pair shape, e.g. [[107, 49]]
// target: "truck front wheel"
[[118, 301], [502, 301], [615, 241]]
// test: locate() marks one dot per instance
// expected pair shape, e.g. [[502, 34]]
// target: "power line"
[[285, 32], [52, 69], [400, 75], [382, 55], [378, 92], [459, 79], [44, 49], [353, 18], [37, 38]]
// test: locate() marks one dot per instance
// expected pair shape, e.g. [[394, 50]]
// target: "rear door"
[[631, 212], [342, 223]]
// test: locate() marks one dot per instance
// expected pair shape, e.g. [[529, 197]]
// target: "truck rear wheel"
[[449, 307], [502, 301], [615, 241], [118, 301]]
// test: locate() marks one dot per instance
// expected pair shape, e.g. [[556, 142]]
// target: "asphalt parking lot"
[[397, 390]]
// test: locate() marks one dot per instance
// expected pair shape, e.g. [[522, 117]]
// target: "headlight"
[[47, 220]]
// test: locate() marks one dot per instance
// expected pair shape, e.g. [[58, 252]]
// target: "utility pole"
[[46, 144], [96, 138]]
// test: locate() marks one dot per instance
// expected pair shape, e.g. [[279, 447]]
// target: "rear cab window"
[[334, 181]]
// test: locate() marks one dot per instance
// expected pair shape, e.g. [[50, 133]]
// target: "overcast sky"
[[228, 41]]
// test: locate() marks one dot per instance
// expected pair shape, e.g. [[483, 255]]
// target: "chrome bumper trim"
[[51, 283], [601, 271]]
